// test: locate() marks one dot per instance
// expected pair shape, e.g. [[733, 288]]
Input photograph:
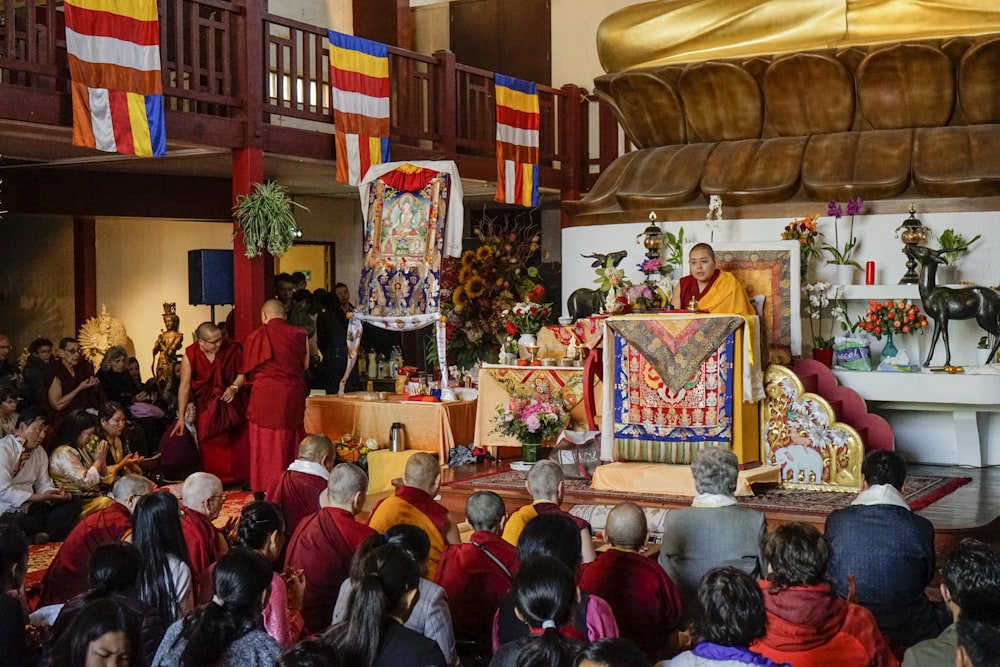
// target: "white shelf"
[[881, 292]]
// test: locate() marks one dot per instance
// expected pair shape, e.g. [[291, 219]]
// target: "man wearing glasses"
[[211, 378]]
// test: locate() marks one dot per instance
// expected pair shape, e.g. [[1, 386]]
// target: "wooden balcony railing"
[[237, 63]]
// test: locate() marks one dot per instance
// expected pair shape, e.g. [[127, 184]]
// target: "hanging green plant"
[[265, 219]]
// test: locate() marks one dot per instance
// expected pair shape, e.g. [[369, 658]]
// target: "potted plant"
[[954, 247], [840, 256], [265, 219], [816, 304], [531, 421], [804, 231]]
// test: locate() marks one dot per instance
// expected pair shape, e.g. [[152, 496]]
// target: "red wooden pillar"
[[252, 278], [84, 270]]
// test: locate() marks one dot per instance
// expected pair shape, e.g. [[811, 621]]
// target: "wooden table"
[[431, 427]]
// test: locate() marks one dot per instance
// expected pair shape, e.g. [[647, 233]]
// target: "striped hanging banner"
[[517, 141], [114, 63], [359, 79]]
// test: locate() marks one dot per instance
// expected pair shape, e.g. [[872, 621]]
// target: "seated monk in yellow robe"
[[715, 291], [413, 504], [545, 483]]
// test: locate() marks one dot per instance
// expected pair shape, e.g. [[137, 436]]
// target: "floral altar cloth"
[[680, 382], [499, 383]]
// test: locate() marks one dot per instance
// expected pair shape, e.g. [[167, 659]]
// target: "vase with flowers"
[[525, 318], [889, 318], [804, 231], [819, 306], [531, 421], [840, 256]]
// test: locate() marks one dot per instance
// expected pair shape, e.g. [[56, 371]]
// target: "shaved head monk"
[[201, 502], [297, 490], [545, 483], [67, 576], [487, 560], [413, 503], [275, 361], [642, 596], [324, 543], [713, 290], [210, 376]]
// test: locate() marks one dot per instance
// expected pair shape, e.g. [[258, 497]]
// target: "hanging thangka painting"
[[403, 242], [673, 381]]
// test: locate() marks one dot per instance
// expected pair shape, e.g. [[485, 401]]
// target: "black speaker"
[[210, 277]]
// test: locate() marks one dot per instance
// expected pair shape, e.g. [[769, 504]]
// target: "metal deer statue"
[[584, 302], [944, 304]]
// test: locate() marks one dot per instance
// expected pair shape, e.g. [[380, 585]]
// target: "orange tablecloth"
[[431, 427]]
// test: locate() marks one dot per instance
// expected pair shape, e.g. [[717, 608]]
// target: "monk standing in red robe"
[[414, 504], [488, 561], [67, 575], [276, 358], [297, 490], [210, 374], [325, 542], [642, 596], [201, 501]]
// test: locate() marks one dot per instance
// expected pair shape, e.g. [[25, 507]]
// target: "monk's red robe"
[[322, 547], [723, 294], [67, 575], [222, 428], [473, 607], [415, 507], [297, 494], [273, 363], [642, 597], [91, 398], [520, 518], [205, 543]]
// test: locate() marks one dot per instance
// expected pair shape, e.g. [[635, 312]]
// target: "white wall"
[[574, 39], [143, 262], [877, 242]]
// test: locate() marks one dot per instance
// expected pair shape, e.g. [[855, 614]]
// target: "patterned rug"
[[41, 555], [919, 490]]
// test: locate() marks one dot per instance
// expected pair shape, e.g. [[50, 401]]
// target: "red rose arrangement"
[[892, 317]]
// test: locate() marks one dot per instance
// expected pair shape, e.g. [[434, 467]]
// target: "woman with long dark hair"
[[223, 633], [373, 634], [79, 463], [544, 596], [165, 579], [262, 529], [112, 420], [112, 573], [103, 631]]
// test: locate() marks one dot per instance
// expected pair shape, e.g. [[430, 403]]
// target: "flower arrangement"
[[640, 294], [531, 420], [892, 317], [353, 449], [838, 256], [526, 317], [477, 288], [804, 231]]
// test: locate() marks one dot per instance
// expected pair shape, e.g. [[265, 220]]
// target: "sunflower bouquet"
[[479, 286]]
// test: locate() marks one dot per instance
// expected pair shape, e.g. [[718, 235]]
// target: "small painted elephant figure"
[[804, 463]]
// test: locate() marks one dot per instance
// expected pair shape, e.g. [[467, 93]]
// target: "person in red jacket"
[[642, 596], [487, 560], [808, 624]]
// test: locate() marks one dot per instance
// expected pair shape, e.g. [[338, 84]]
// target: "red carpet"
[[919, 490]]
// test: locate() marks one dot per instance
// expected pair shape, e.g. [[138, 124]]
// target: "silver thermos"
[[396, 441]]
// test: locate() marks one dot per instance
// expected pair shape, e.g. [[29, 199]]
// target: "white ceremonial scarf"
[[881, 494], [310, 468], [712, 500]]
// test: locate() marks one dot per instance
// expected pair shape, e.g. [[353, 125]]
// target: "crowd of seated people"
[[151, 576]]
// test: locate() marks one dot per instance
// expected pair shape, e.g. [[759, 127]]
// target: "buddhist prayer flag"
[[114, 64], [517, 141], [359, 78]]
